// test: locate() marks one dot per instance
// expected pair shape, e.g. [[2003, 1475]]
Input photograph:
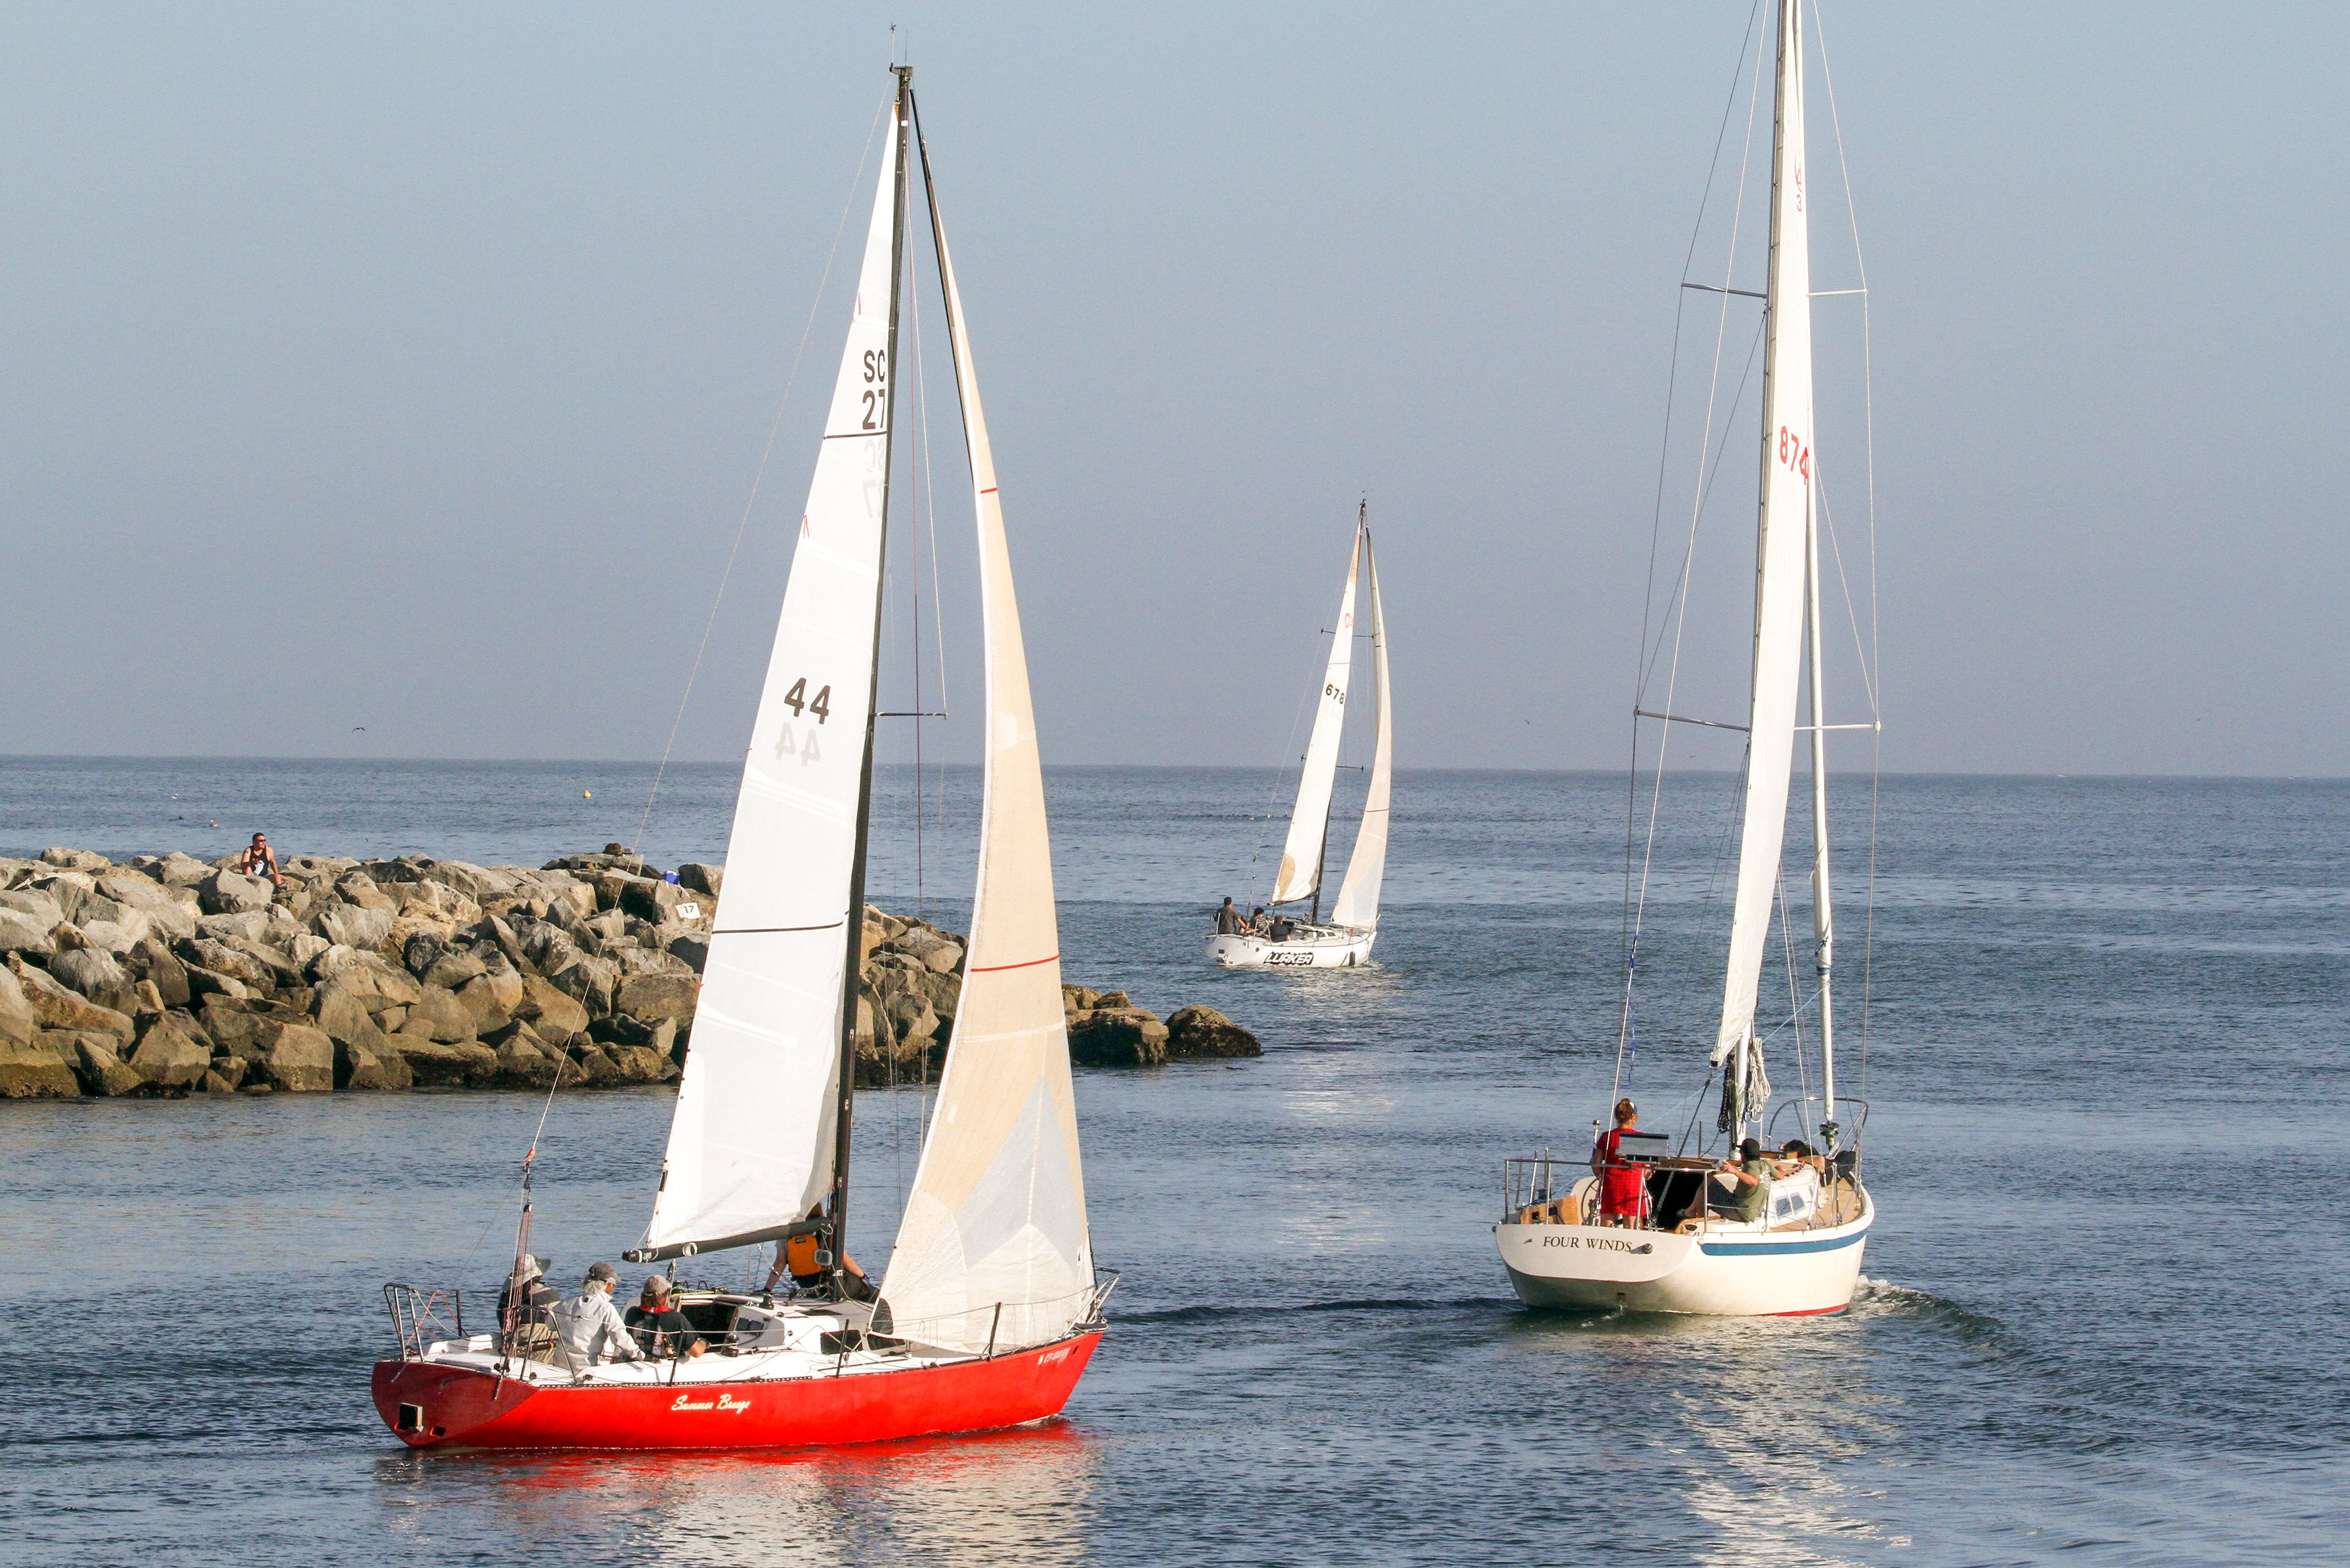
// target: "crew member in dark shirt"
[[660, 1327]]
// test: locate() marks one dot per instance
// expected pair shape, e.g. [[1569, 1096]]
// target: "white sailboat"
[[1660, 1229], [990, 1308], [1345, 940]]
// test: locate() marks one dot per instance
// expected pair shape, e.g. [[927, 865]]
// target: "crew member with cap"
[[590, 1324], [659, 1328]]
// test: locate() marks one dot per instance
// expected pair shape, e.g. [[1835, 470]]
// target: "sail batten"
[[1780, 549], [993, 1250], [751, 1143], [1300, 876], [1358, 895]]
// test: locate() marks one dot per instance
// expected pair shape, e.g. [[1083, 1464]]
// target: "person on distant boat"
[[260, 860], [661, 1330], [1738, 1188], [590, 1325], [1228, 919], [1259, 923], [1623, 1186], [797, 1257]]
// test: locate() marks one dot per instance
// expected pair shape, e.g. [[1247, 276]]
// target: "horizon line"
[[648, 763]]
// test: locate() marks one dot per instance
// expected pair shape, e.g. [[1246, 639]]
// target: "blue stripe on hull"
[[1774, 1249]]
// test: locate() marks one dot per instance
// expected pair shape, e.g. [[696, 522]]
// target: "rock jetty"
[[170, 976]]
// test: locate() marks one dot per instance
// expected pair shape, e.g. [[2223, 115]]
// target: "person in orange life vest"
[[1623, 1187], [797, 1257]]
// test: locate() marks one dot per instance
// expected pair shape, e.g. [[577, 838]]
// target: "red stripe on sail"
[[1000, 968]]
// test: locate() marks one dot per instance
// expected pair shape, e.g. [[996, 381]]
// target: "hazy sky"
[[408, 366]]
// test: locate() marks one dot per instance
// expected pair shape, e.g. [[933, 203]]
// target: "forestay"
[[1309, 824], [1358, 895], [751, 1143], [1787, 469], [993, 1248]]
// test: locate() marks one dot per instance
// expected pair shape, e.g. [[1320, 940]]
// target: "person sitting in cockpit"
[[659, 1328], [590, 1325], [1738, 1189]]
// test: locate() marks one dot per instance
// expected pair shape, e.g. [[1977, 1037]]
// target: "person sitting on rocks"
[[260, 860], [590, 1325], [1228, 919], [659, 1328], [797, 1257]]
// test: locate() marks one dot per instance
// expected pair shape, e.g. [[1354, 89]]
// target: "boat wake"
[[1875, 1298], [1212, 1312]]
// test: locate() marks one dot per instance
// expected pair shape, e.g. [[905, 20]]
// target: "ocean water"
[[2105, 1299]]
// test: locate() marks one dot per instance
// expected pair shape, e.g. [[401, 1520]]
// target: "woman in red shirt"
[[1623, 1187]]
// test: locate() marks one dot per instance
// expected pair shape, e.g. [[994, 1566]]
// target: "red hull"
[[465, 1408]]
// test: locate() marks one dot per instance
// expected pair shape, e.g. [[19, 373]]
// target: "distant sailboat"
[[991, 1307], [1661, 1229], [1347, 940]]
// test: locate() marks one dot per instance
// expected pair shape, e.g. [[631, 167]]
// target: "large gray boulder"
[[492, 997], [34, 1071], [248, 925], [934, 951], [698, 877], [1117, 1037], [154, 960], [17, 1023], [58, 1008], [20, 932], [1204, 1032], [377, 982], [590, 982], [236, 962], [99, 1070], [297, 1058], [360, 891], [89, 970], [37, 904], [179, 870], [75, 860], [344, 1018], [437, 1013], [353, 926], [168, 1056], [432, 1064], [168, 916], [554, 1014], [227, 893], [650, 997]]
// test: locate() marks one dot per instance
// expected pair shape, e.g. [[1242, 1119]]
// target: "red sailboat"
[[990, 1306]]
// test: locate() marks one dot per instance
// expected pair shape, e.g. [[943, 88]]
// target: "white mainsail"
[[1779, 564], [993, 1248], [1358, 895], [751, 1142], [1309, 824]]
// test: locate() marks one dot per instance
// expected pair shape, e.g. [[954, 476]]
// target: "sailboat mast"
[[1823, 913], [853, 973]]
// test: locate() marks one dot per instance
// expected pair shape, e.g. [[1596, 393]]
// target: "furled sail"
[[1358, 895], [1309, 824], [993, 1248], [751, 1142], [1787, 469]]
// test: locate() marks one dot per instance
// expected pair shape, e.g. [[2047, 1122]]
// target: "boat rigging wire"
[[1869, 454], [758, 478]]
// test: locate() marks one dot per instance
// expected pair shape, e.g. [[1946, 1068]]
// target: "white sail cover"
[[751, 1143], [1301, 857], [993, 1248], [1358, 895], [1787, 468]]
